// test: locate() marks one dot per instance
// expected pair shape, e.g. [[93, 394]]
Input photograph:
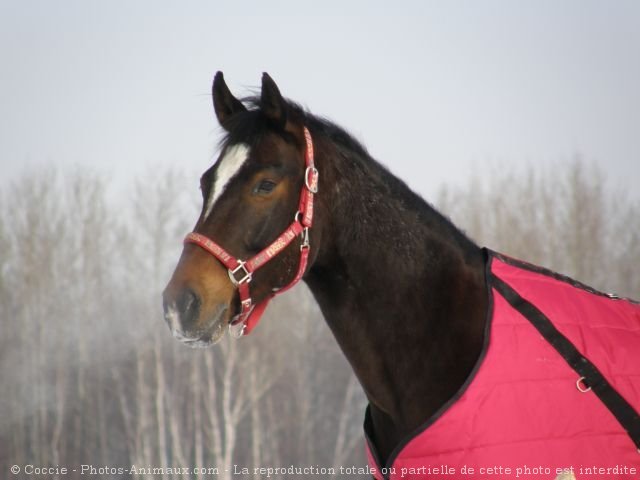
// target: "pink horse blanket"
[[555, 393]]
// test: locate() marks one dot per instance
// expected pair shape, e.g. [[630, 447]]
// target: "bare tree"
[[563, 219], [90, 374]]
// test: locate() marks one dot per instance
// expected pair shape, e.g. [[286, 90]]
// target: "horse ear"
[[224, 103], [271, 102]]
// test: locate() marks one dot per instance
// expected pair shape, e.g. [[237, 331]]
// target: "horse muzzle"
[[197, 304], [189, 324]]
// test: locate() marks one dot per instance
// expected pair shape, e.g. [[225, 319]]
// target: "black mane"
[[251, 125]]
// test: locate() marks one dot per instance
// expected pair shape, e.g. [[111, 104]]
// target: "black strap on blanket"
[[624, 413]]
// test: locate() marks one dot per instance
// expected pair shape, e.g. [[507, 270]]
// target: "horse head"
[[252, 236]]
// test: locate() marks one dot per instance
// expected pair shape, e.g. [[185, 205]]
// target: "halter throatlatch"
[[240, 271]]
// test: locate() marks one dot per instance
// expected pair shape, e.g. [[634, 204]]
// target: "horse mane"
[[250, 126]]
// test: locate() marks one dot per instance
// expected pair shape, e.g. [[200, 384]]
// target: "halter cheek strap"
[[240, 272]]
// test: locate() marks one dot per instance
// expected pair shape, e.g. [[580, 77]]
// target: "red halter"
[[240, 272]]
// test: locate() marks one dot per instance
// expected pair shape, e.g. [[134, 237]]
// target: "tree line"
[[90, 375]]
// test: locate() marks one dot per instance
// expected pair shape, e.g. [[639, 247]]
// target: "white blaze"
[[229, 165]]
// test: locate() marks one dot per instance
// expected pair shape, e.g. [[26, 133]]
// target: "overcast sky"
[[435, 90]]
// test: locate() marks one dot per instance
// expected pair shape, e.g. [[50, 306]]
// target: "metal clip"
[[246, 274], [305, 239]]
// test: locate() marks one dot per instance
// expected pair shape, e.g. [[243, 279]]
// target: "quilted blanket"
[[555, 393]]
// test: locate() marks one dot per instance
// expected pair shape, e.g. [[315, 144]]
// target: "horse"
[[410, 299]]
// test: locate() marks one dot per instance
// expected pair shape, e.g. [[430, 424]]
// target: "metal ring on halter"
[[236, 330], [313, 186], [232, 274], [582, 386]]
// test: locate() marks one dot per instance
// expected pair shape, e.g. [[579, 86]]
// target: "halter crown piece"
[[241, 271]]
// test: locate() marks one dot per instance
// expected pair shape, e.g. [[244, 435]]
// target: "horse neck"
[[400, 287]]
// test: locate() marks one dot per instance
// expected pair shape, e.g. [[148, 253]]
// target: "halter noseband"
[[240, 272]]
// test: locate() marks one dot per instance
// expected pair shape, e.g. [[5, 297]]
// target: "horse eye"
[[265, 186]]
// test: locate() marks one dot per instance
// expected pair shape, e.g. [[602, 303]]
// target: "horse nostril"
[[188, 305]]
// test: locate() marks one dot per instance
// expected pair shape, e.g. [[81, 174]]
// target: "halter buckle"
[[311, 184], [246, 274]]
